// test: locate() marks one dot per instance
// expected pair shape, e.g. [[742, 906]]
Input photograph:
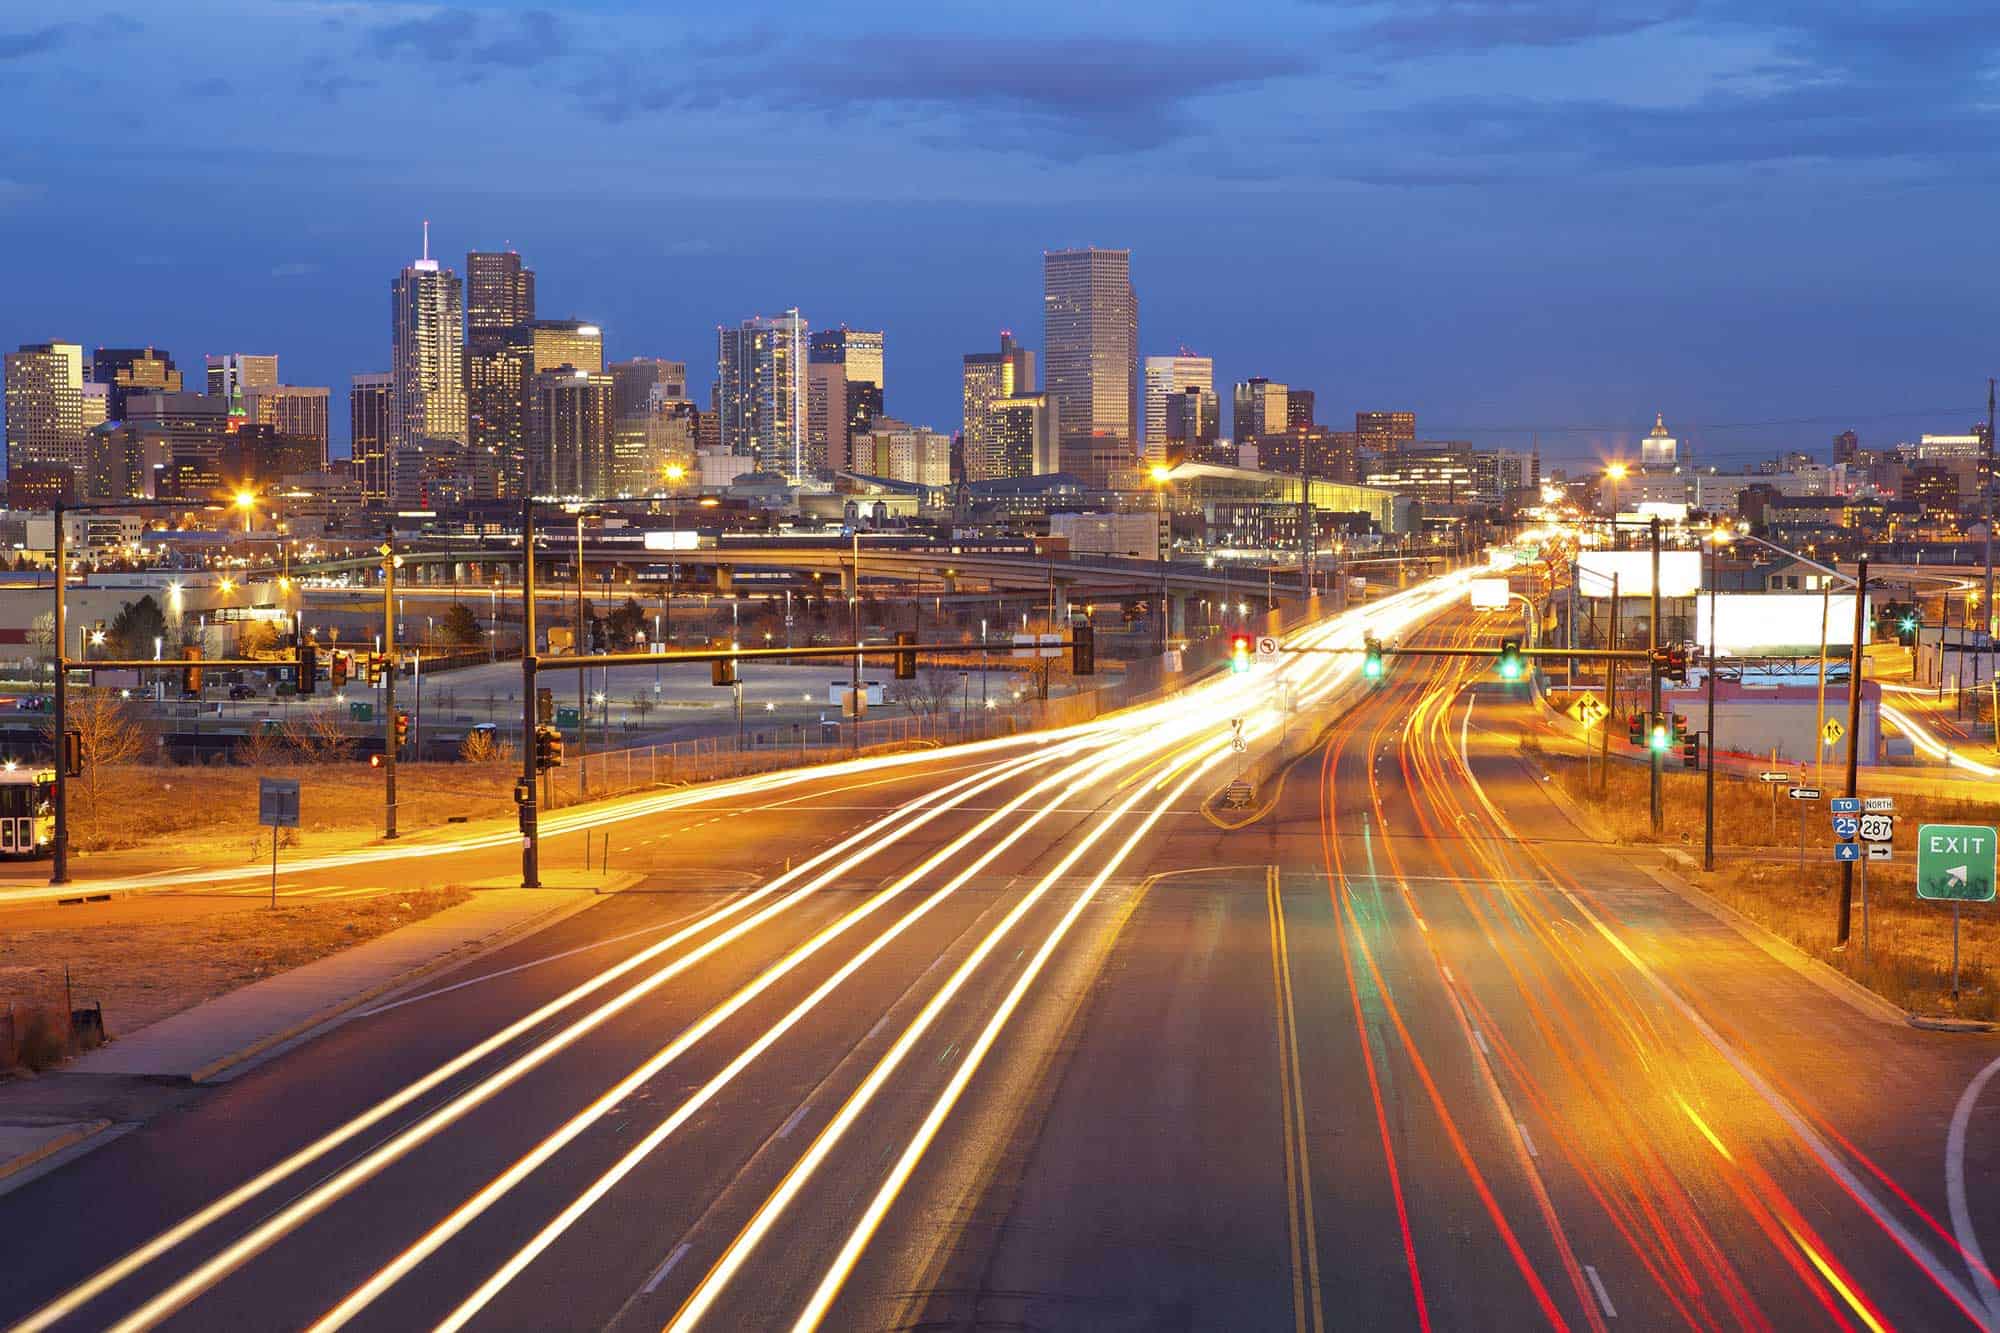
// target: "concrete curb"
[[463, 954], [88, 1129]]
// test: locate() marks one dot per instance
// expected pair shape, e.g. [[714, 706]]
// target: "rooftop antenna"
[[427, 238]]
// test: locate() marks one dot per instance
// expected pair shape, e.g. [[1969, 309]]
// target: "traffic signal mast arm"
[[885, 649]]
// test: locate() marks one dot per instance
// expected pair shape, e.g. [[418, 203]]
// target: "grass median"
[[1908, 955]]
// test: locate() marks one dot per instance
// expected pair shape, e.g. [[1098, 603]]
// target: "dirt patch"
[[157, 960], [1908, 956]]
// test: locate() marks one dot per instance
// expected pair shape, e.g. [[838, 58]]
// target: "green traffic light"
[[1371, 666], [1663, 739], [1909, 624]]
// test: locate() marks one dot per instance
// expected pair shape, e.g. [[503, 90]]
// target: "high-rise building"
[[1261, 408], [1090, 350], [1024, 439], [370, 403], [828, 434], [760, 374], [499, 293], [44, 396], [857, 351], [989, 378], [1299, 409], [234, 374], [1845, 446], [844, 382], [295, 411], [652, 423], [194, 431], [128, 370], [1193, 428], [427, 305], [571, 432], [1166, 377], [564, 342], [1385, 432]]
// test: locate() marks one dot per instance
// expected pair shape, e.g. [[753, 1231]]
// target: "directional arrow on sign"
[[1954, 874], [1770, 776]]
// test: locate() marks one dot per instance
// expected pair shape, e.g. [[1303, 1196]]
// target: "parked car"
[[242, 692]]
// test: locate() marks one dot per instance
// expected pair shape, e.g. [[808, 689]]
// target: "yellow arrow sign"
[[1832, 731], [1588, 709]]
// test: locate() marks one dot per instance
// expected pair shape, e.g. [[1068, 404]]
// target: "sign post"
[[1802, 795], [278, 806], [1955, 865]]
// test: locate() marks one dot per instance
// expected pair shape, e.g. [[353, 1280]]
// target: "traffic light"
[[1691, 750], [1239, 654], [374, 668], [1906, 630], [308, 668], [545, 706], [336, 670], [1675, 667], [1372, 665], [72, 755], [402, 728], [1680, 727], [1511, 663], [375, 760], [1082, 648], [1635, 728], [548, 749], [1662, 736], [906, 662], [191, 675]]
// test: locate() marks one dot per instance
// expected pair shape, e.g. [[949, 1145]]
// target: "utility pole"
[[1708, 774], [582, 676], [531, 828], [59, 853], [1653, 668], [854, 628], [1306, 533], [389, 690], [1986, 493], [1610, 698], [1855, 673]]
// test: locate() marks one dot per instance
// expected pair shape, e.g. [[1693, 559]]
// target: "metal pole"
[[854, 679], [1819, 725], [1653, 670], [274, 866], [530, 816], [1864, 910], [1856, 670], [1986, 494], [1159, 550], [1708, 777], [1610, 698], [389, 691], [59, 866], [1954, 951], [582, 677], [1306, 533]]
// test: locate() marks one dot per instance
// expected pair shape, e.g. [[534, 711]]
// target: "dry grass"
[[159, 956], [138, 804], [1908, 958]]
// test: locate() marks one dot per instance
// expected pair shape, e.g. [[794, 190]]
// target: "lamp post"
[[389, 562], [1160, 475], [1715, 541], [582, 704], [1614, 473], [674, 473]]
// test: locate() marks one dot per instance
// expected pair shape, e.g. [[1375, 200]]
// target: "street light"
[[1614, 473], [1160, 474], [247, 502]]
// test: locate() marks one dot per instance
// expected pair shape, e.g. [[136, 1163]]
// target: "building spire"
[[427, 238]]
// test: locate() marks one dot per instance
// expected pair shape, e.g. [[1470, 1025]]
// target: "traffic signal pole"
[[1708, 776], [59, 854], [1653, 642], [389, 691], [1856, 672], [530, 817]]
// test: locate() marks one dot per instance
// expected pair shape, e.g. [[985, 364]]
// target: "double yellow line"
[[1298, 1165]]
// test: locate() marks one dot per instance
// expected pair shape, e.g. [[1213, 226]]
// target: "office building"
[[760, 373], [499, 292], [437, 474], [652, 423], [44, 399], [1262, 408], [988, 378], [128, 370], [844, 383], [293, 410], [856, 351], [1024, 437], [370, 401], [570, 430], [1193, 428], [1166, 378], [427, 305], [1090, 351], [1299, 409], [1385, 432], [234, 374], [193, 431]]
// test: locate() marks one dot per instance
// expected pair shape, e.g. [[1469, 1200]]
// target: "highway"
[[1015, 1036]]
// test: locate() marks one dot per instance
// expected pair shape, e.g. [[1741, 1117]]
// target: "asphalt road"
[[1022, 1040]]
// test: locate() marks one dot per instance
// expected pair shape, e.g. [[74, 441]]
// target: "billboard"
[[669, 539], [1488, 594], [1775, 624], [1680, 573]]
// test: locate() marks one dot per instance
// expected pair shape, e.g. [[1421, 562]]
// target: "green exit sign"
[[566, 717], [1955, 862], [361, 712]]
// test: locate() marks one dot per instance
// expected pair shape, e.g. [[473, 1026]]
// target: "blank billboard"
[[1775, 624], [1488, 594], [1680, 573]]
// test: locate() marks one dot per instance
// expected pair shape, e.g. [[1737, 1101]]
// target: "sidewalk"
[[199, 1043]]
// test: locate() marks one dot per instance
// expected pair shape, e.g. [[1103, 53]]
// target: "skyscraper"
[[234, 374], [427, 306], [44, 396], [1261, 408], [1024, 430], [1090, 349], [294, 410], [572, 412], [500, 300], [1385, 432], [370, 402], [1165, 377], [844, 383], [989, 378], [761, 391], [652, 423], [1194, 425], [128, 370]]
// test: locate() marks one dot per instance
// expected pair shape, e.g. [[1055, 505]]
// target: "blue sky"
[[1507, 215]]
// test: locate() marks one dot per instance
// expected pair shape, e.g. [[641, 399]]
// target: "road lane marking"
[[1603, 1296], [785, 1131], [1298, 1164], [1954, 1187], [667, 1266], [1526, 1142]]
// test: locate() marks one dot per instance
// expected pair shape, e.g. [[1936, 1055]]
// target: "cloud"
[[34, 41], [1437, 27], [1061, 97], [462, 37]]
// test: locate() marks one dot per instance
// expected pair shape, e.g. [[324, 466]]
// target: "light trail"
[[1925, 740], [725, 1268], [879, 833]]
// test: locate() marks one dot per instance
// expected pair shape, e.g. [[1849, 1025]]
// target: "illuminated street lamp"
[[1160, 474], [1614, 473], [247, 502]]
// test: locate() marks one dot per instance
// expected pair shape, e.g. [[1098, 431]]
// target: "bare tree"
[[318, 737], [641, 704], [107, 733], [930, 693], [484, 747]]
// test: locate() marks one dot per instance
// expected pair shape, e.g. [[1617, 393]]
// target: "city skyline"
[[1475, 230]]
